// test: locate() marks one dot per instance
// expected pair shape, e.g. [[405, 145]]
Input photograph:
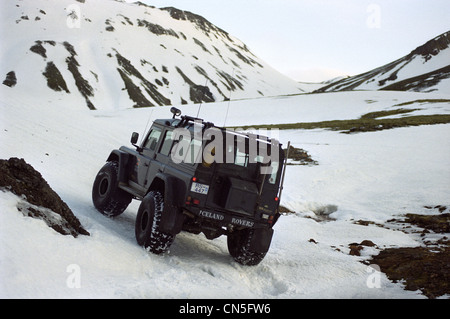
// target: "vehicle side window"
[[167, 144], [273, 176], [153, 139]]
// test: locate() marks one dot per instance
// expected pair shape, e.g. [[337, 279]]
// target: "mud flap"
[[171, 220], [261, 239]]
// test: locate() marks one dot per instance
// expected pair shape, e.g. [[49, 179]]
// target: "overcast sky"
[[315, 40]]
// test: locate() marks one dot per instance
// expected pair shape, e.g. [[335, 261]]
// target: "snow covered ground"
[[370, 176]]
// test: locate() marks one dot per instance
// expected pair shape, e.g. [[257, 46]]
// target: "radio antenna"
[[146, 125], [199, 107], [229, 100]]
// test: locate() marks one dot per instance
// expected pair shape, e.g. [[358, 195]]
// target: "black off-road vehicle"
[[193, 176]]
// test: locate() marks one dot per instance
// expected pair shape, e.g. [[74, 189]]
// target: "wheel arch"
[[170, 186], [123, 159], [158, 184]]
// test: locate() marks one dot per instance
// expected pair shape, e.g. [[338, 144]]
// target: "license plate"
[[199, 188]]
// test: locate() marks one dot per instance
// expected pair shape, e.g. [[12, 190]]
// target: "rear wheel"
[[108, 198], [147, 228], [239, 247]]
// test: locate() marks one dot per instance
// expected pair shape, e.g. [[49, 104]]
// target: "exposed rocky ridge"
[[40, 201], [433, 47], [420, 70], [202, 23]]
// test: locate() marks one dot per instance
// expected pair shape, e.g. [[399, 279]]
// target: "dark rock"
[[436, 223], [82, 84], [418, 267], [11, 79], [23, 180], [367, 243], [355, 249], [200, 93], [38, 48], [300, 155], [55, 80], [127, 71]]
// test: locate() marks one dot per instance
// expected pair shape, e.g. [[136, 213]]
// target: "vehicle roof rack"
[[186, 120]]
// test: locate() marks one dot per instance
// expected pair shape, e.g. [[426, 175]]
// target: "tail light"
[[192, 201]]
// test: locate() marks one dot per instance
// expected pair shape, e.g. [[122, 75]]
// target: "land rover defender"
[[193, 176]]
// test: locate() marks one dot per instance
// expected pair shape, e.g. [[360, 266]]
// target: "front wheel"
[[239, 247], [147, 231], [108, 198]]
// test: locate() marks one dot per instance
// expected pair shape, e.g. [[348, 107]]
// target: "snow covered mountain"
[[425, 69], [109, 54]]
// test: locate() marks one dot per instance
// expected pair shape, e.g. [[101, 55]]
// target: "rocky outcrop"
[[40, 200], [10, 79]]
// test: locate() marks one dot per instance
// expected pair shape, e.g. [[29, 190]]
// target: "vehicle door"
[[145, 158], [162, 154]]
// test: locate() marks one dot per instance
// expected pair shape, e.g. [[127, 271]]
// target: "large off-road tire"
[[148, 219], [108, 198], [239, 248]]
